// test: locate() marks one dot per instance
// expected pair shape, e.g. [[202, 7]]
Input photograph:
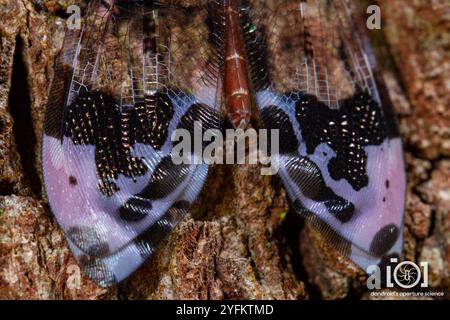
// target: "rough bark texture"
[[239, 241]]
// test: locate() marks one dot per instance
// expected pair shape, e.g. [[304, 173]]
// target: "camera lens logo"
[[407, 274]]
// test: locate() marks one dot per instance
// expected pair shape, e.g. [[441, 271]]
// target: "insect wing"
[[134, 74], [341, 157]]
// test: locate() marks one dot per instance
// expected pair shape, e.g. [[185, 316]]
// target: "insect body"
[[139, 70], [236, 85]]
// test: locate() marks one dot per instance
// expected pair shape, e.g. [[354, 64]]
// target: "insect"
[[139, 70]]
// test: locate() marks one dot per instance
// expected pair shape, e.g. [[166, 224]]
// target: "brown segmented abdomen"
[[236, 84]]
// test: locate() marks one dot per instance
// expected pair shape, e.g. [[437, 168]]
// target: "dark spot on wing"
[[98, 271], [166, 177], [387, 184], [384, 239], [89, 240], [340, 208], [149, 241], [95, 118], [308, 178], [384, 199], [200, 114], [73, 181], [274, 117], [357, 123], [135, 209]]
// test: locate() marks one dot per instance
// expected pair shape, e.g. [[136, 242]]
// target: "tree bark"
[[241, 241]]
